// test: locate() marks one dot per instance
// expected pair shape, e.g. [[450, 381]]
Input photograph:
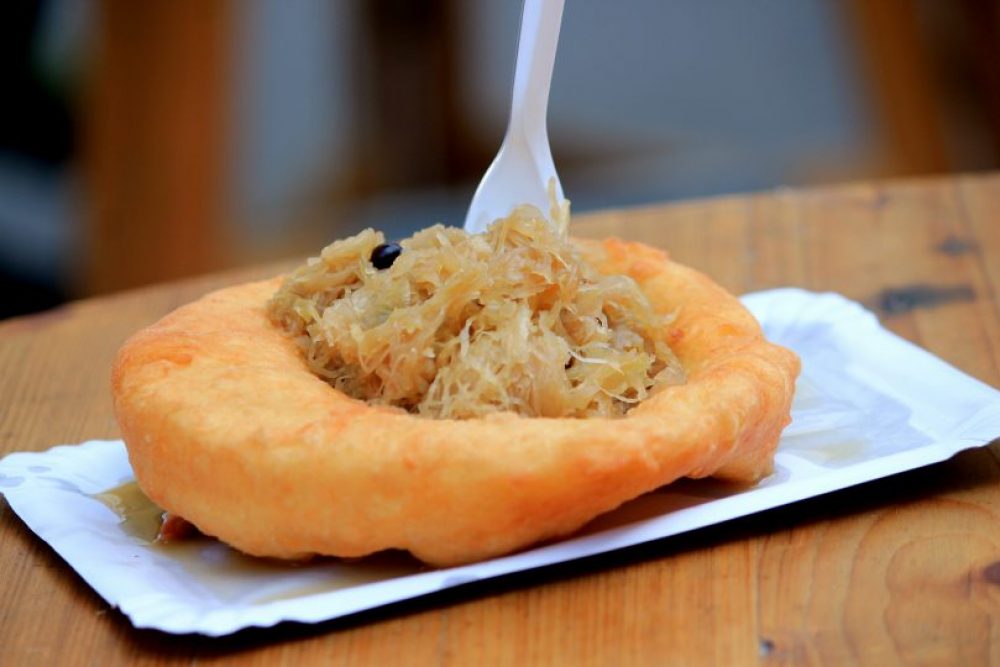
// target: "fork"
[[523, 168]]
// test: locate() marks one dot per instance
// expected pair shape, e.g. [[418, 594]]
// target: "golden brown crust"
[[226, 426]]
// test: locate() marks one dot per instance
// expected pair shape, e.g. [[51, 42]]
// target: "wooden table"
[[903, 570]]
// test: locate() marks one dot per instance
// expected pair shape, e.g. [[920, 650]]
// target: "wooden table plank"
[[904, 570]]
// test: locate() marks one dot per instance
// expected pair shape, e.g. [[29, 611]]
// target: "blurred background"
[[146, 141]]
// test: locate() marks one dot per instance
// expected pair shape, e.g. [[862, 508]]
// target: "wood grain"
[[900, 571]]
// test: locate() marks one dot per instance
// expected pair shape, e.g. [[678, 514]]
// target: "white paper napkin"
[[868, 405]]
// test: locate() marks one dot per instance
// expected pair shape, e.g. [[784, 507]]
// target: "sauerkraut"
[[462, 325]]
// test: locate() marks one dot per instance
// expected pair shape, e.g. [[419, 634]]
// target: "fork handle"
[[536, 48]]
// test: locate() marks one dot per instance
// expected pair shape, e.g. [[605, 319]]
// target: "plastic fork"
[[523, 168]]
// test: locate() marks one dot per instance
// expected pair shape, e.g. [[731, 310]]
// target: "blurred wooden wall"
[[157, 111], [932, 71], [155, 142]]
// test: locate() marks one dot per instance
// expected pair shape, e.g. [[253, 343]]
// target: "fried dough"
[[226, 426]]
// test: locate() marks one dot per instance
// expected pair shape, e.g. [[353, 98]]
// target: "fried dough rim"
[[226, 426]]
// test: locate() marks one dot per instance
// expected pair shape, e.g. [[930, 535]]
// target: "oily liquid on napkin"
[[225, 571], [139, 516]]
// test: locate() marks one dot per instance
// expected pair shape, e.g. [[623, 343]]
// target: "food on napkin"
[[457, 396]]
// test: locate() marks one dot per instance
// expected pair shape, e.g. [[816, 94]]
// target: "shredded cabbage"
[[461, 325]]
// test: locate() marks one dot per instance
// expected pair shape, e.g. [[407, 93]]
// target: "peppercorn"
[[384, 255]]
